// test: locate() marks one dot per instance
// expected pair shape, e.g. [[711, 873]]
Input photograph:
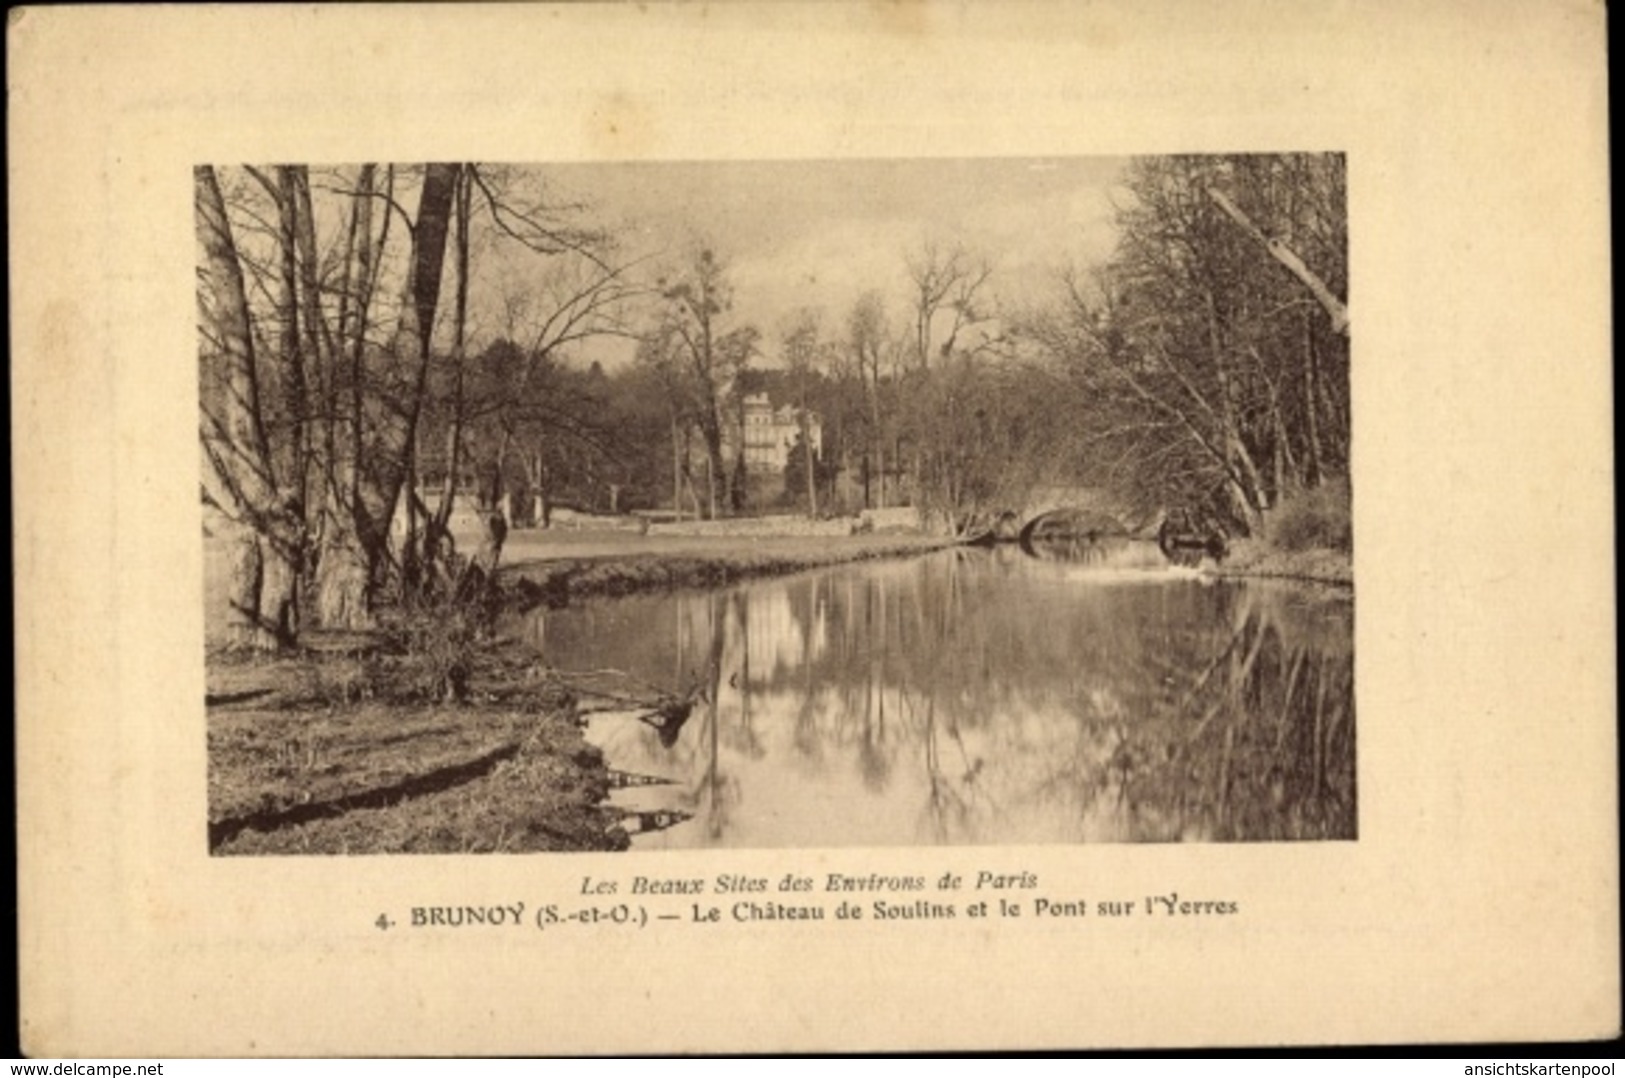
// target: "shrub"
[[1315, 519], [437, 636]]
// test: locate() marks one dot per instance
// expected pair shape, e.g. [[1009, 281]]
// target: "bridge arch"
[[1072, 524]]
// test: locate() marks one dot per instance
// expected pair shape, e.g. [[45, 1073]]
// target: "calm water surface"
[[983, 696]]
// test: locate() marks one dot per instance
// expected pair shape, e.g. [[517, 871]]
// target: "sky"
[[818, 234]]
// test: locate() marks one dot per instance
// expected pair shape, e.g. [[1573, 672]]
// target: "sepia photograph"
[[776, 504], [870, 526]]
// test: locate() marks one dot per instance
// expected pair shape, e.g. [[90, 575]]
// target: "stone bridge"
[[1083, 504], [1074, 515]]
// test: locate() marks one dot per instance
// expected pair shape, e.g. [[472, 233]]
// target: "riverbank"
[[342, 754], [1250, 558], [554, 569], [1309, 537]]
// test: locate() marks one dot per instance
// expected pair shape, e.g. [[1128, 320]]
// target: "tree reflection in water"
[[988, 697]]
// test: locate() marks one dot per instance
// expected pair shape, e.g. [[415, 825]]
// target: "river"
[[982, 697]]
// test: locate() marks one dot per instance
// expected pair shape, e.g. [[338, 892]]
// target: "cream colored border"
[[1481, 899]]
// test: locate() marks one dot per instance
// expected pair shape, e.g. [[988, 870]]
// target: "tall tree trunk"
[[807, 457], [880, 443], [245, 576], [437, 532], [676, 473], [1311, 401], [493, 498], [353, 564], [367, 283], [837, 500], [238, 475], [343, 578], [319, 342], [287, 456], [536, 472], [1242, 478], [398, 430], [713, 463], [317, 347], [739, 478], [282, 559]]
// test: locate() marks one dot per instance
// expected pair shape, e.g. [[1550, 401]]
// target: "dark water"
[[980, 696]]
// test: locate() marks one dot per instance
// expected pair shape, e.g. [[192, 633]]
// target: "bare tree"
[[693, 331], [801, 350], [657, 353], [1200, 379], [355, 551], [867, 343], [945, 282], [263, 520], [1283, 253], [319, 394]]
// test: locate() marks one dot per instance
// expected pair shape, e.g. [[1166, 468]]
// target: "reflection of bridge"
[[1088, 521], [1080, 518]]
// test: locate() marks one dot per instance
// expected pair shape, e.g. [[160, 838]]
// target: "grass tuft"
[[1318, 519]]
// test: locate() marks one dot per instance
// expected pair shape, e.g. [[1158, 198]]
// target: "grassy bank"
[[317, 754], [1309, 537], [1252, 558]]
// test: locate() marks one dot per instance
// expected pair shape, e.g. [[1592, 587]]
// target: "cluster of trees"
[[1209, 357], [920, 407], [1204, 365], [331, 362]]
